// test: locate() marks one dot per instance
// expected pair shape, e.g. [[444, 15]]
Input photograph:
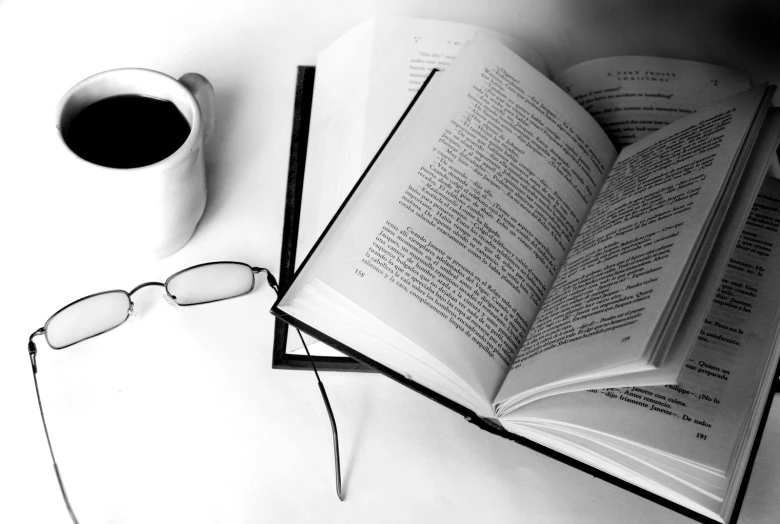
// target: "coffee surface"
[[127, 131]]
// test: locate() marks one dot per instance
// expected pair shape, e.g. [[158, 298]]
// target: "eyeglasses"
[[96, 314]]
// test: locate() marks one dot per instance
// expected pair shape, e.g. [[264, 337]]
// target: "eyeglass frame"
[[129, 294], [32, 351]]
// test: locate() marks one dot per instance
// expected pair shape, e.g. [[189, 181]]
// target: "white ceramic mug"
[[147, 211]]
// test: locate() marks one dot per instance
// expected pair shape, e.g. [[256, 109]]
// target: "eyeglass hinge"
[[268, 275], [33, 350]]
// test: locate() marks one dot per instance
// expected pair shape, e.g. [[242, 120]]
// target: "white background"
[[178, 416]]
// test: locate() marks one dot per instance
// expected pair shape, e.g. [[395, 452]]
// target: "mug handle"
[[203, 92]]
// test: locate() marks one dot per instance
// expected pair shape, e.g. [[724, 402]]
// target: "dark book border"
[[304, 90], [472, 417]]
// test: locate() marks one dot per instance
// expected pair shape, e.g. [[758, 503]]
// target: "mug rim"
[[183, 150]]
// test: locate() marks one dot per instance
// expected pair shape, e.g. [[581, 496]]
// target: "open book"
[[500, 256], [366, 79]]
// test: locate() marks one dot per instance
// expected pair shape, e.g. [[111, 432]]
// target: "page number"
[[359, 273]]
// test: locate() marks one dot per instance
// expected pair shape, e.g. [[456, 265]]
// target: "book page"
[[625, 273], [334, 143], [455, 234], [700, 417], [363, 84], [404, 52], [632, 96]]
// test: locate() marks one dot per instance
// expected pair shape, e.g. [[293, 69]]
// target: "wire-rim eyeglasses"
[[95, 314]]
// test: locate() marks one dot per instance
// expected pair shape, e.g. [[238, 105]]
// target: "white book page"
[[336, 130], [690, 487], [457, 231], [363, 84], [613, 295], [404, 52], [632, 96], [334, 143], [700, 417]]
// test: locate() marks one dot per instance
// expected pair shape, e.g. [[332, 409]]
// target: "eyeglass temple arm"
[[275, 286], [33, 351]]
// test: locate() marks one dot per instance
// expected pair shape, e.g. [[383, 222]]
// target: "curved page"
[[455, 234], [632, 96]]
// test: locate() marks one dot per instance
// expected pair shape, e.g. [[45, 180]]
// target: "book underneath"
[[620, 310]]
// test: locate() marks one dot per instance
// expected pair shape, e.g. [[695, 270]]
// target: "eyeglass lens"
[[87, 317], [210, 282]]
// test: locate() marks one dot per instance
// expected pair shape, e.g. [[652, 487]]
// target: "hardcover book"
[[617, 311]]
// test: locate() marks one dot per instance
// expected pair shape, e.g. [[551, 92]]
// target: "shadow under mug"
[[149, 211]]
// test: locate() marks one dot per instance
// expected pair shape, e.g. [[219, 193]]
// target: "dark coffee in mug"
[[127, 131]]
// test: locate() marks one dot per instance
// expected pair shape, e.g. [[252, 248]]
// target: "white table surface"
[[178, 416]]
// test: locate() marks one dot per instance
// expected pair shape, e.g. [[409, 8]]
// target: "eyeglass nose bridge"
[[166, 295], [145, 284]]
